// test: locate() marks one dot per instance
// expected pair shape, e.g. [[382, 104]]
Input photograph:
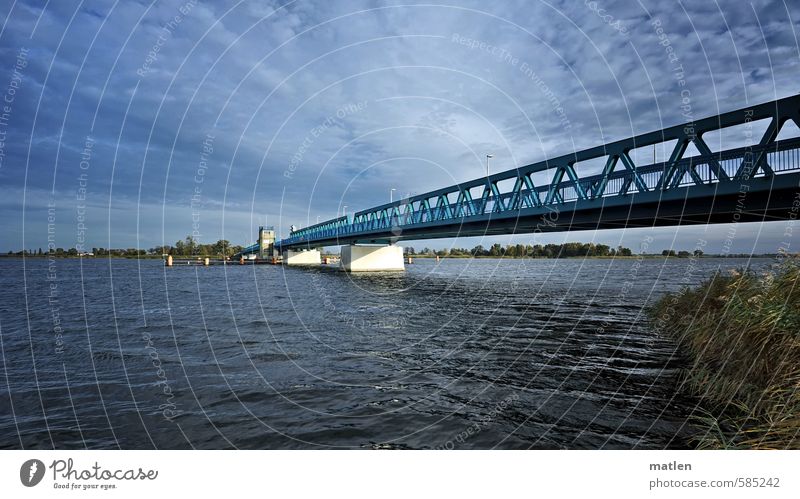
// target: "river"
[[462, 354]]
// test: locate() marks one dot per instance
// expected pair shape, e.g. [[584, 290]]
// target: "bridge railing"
[[493, 195]]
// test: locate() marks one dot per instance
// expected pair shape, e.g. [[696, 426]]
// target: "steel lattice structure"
[[759, 182]]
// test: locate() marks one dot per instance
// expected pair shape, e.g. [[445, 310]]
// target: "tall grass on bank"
[[741, 334]]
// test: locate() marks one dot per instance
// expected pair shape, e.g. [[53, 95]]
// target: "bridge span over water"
[[760, 182]]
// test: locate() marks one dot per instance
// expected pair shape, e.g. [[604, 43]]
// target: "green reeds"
[[741, 334]]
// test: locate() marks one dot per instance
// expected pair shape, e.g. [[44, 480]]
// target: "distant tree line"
[[530, 251], [188, 247], [682, 254]]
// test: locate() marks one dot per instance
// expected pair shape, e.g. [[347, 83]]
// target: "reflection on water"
[[459, 354]]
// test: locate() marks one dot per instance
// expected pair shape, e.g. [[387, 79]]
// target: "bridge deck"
[[760, 182]]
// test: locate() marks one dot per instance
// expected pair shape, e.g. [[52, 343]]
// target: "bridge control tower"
[[266, 242]]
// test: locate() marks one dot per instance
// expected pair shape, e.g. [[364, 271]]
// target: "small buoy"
[[206, 262], [169, 260]]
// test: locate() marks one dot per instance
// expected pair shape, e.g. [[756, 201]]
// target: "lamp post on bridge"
[[488, 156], [344, 211], [391, 195]]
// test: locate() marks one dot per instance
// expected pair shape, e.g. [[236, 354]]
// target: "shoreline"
[[424, 257], [739, 333]]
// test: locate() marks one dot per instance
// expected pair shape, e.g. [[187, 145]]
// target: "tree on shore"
[[565, 250], [192, 248]]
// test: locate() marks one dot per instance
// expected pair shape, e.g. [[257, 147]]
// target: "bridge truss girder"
[[647, 194]]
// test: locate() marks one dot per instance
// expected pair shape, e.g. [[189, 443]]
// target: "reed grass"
[[741, 334]]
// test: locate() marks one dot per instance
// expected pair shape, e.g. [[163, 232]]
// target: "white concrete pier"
[[302, 257], [372, 258]]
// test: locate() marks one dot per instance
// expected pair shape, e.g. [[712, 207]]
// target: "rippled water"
[[459, 354]]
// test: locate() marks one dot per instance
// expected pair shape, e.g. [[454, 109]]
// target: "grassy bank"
[[741, 334], [590, 257]]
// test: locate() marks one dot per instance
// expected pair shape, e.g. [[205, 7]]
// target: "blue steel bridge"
[[756, 183]]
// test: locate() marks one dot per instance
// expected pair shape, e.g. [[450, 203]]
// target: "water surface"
[[468, 354]]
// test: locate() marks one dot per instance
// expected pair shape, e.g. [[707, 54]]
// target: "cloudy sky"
[[133, 123]]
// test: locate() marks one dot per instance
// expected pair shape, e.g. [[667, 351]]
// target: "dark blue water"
[[460, 354]]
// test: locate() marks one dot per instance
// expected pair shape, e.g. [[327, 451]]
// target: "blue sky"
[[137, 123]]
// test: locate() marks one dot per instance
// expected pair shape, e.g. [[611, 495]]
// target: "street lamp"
[[344, 211], [488, 156], [391, 195]]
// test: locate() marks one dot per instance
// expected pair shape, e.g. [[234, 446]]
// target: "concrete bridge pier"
[[384, 258], [302, 257]]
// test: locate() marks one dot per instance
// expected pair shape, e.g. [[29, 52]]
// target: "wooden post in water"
[[169, 260], [206, 262], [241, 260]]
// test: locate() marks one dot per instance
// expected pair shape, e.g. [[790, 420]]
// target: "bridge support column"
[[302, 257], [372, 258]]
